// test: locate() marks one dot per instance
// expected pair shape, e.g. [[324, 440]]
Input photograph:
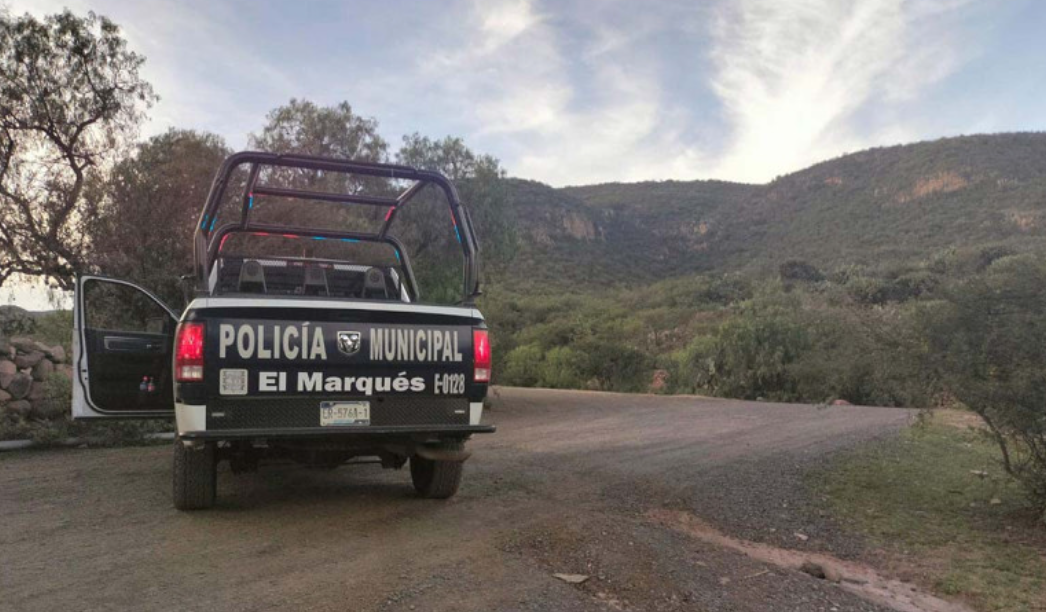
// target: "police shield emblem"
[[349, 342]]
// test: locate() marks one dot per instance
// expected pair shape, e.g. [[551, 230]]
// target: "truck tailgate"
[[279, 367]]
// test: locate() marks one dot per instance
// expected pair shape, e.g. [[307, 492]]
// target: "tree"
[[71, 101], [331, 131], [987, 341], [303, 128], [144, 231], [480, 182]]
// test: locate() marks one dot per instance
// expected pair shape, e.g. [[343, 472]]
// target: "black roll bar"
[[207, 238]]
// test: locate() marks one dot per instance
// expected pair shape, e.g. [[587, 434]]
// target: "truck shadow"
[[356, 488]]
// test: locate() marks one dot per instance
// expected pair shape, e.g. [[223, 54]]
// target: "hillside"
[[880, 207]]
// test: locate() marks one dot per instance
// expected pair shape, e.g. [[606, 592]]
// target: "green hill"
[[881, 207]]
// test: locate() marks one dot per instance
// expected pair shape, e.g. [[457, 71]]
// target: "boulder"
[[20, 385], [23, 344], [56, 353], [36, 393], [43, 369], [8, 369], [4, 396], [20, 408], [29, 360]]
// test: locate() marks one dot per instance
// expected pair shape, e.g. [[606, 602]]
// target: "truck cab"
[[306, 337]]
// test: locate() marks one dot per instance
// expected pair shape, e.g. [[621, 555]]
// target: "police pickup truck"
[[302, 352]]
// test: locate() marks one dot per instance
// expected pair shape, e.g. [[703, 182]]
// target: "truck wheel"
[[436, 479], [195, 476]]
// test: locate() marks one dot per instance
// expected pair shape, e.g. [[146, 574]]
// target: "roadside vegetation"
[[943, 513], [965, 328]]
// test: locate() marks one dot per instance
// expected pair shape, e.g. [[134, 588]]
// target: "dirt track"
[[566, 485]]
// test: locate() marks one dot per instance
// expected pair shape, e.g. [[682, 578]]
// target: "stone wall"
[[27, 379]]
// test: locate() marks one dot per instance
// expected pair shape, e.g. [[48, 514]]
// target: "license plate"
[[344, 413], [232, 382]]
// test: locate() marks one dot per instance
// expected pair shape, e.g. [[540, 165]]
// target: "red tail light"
[[480, 355], [188, 353]]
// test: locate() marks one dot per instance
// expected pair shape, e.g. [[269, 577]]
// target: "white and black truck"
[[296, 356]]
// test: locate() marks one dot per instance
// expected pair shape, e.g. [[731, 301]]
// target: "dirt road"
[[567, 485]]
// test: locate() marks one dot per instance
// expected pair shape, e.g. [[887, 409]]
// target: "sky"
[[589, 91]]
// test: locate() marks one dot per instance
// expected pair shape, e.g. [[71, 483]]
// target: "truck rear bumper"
[[417, 433], [227, 419]]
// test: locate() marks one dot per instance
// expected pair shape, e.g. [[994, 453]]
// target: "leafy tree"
[[987, 341], [305, 128], [480, 182], [144, 231], [302, 127], [71, 101]]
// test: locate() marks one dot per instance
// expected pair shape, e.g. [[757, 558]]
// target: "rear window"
[[288, 265]]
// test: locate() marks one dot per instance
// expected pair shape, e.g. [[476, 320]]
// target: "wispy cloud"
[[207, 71], [573, 91], [794, 76], [562, 97]]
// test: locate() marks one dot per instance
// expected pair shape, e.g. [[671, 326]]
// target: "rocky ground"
[[573, 483]]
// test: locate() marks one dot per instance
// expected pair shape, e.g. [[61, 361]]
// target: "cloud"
[[207, 77], [563, 99], [794, 77], [569, 91]]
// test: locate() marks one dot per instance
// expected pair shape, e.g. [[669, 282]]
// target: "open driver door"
[[123, 338]]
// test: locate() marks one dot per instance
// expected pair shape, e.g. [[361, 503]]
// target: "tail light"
[[188, 353], [480, 355]]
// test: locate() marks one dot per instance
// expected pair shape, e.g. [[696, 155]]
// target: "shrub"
[[796, 269], [563, 368], [56, 327], [751, 354], [523, 366], [614, 366]]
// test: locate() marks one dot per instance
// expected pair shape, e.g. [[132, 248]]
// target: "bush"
[[563, 368], [523, 366], [613, 366], [15, 321], [56, 327], [796, 269], [751, 353]]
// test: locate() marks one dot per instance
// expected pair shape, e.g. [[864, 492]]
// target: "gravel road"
[[565, 486]]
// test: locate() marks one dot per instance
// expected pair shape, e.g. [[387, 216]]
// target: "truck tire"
[[195, 476], [436, 479]]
